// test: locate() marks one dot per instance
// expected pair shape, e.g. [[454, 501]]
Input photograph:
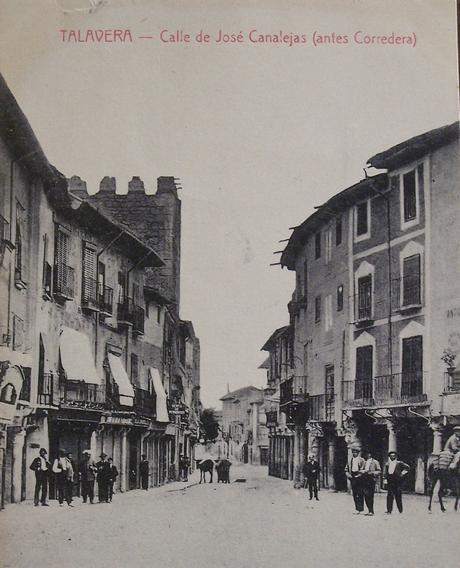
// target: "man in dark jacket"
[[311, 472], [112, 473], [87, 476], [103, 479], [394, 472], [41, 466], [144, 472]]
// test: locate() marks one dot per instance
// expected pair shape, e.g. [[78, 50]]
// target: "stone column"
[[124, 457], [392, 441], [302, 454], [18, 447], [297, 465], [330, 474], [93, 445], [437, 437]]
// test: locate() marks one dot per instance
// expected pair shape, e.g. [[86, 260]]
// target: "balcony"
[[385, 390], [89, 295], [105, 300], [82, 395], [145, 403], [125, 312], [138, 320], [321, 408], [48, 390], [64, 282]]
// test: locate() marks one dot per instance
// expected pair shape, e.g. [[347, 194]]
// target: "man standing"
[[144, 472], [395, 471], [453, 443], [63, 471], [353, 471], [103, 478], [87, 477], [112, 473], [371, 473], [41, 466], [311, 472]]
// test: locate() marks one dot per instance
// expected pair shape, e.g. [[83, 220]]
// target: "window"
[[412, 366], [88, 272], [305, 278], [318, 308], [158, 314], [8, 394], [328, 312], [362, 221], [328, 245], [47, 269], [330, 394], [411, 281], [364, 372], [409, 196], [365, 297], [317, 245], [63, 274], [338, 231], [121, 287], [339, 298], [134, 368]]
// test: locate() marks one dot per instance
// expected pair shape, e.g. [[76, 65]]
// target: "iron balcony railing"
[[363, 307], [321, 407], [89, 296], [383, 390], [125, 311], [81, 394], [138, 320], [106, 300], [145, 403], [64, 281]]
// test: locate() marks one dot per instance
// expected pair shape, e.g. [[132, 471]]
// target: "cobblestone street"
[[261, 522]]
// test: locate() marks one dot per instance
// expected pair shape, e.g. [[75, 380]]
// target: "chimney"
[[136, 185], [75, 183], [108, 185]]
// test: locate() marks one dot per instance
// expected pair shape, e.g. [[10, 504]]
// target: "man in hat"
[[112, 473], [87, 476], [353, 471], [394, 473], [453, 443], [371, 474], [144, 472], [41, 466], [103, 478], [311, 471]]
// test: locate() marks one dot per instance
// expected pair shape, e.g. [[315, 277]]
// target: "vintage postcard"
[[229, 283]]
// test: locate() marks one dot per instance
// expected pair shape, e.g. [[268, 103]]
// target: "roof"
[[335, 205], [273, 337], [416, 147], [239, 393], [265, 364]]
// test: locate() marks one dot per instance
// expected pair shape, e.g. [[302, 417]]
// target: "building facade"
[[374, 312], [93, 352]]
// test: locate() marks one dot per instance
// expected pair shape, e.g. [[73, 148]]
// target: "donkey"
[[206, 466]]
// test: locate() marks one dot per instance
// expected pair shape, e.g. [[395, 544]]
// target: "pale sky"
[[258, 133]]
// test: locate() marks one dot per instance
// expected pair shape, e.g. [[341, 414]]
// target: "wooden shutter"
[[409, 188], [89, 272], [364, 363], [365, 297], [411, 280]]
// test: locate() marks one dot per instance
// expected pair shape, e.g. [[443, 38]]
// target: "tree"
[[209, 425]]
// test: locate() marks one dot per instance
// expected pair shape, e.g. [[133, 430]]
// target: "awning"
[[15, 357], [162, 408], [125, 388], [77, 357]]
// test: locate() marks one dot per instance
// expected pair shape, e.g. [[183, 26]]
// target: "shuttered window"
[[412, 366], [364, 363], [410, 203], [89, 283], [63, 273], [411, 280]]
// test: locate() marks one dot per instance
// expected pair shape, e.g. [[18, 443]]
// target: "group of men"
[[66, 475], [363, 473]]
